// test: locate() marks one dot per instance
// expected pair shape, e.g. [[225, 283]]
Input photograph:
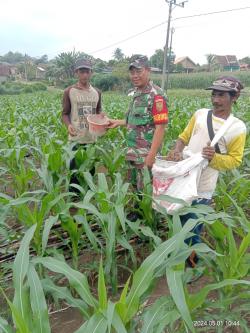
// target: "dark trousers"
[[197, 229], [73, 166]]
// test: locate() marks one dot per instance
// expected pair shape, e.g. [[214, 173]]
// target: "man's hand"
[[208, 152], [174, 155], [149, 160], [72, 130], [113, 123]]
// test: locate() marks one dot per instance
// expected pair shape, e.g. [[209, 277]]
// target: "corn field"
[[45, 230]]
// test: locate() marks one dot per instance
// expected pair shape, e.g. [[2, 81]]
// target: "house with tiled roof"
[[225, 63], [187, 64], [5, 71]]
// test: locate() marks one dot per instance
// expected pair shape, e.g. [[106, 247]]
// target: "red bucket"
[[97, 124]]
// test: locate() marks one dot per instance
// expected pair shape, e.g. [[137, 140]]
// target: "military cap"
[[139, 62], [226, 83]]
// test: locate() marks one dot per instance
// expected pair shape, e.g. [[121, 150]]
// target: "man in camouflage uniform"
[[146, 120]]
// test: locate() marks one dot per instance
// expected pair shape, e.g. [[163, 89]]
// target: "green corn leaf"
[[89, 180], [156, 313], [121, 216], [233, 252], [5, 327], [20, 268], [76, 279], [21, 201], [20, 322], [145, 274], [96, 324], [47, 227], [38, 303], [90, 208], [102, 292], [64, 293], [114, 319], [175, 284], [147, 231], [167, 321], [196, 300], [102, 183], [121, 306], [126, 245], [243, 247], [90, 234], [110, 314]]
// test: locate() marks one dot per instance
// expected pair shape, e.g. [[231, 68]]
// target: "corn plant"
[[106, 205], [121, 316], [112, 157], [74, 231], [18, 168], [34, 208], [234, 264], [29, 308]]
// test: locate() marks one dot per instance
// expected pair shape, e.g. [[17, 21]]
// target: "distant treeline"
[[201, 80], [15, 88]]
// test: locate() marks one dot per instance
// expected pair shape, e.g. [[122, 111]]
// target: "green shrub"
[[105, 82]]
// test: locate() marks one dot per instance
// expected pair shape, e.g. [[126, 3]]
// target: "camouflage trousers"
[[135, 175]]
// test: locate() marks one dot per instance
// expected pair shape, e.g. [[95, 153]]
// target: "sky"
[[98, 27]]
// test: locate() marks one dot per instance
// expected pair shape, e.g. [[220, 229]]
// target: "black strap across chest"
[[211, 130]]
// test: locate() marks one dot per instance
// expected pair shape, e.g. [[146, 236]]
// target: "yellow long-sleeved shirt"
[[196, 137]]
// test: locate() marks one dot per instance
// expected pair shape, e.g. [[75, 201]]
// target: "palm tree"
[[118, 54], [66, 62], [210, 60]]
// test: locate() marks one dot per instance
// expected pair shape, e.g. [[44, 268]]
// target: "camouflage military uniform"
[[147, 109]]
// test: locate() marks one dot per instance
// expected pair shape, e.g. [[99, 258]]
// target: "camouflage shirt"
[[147, 109]]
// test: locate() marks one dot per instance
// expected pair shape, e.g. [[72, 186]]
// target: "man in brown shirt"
[[79, 101]]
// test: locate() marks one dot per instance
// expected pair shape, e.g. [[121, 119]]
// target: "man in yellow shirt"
[[226, 156]]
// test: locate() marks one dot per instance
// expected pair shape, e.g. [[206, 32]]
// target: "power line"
[[211, 13], [128, 38], [164, 22]]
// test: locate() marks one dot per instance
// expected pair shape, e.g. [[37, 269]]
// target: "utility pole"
[[25, 67], [169, 57], [171, 3]]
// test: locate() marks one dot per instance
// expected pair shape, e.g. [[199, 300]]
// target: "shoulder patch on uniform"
[[160, 110], [159, 103]]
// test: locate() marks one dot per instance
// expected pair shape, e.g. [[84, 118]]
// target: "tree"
[[42, 60], [210, 61], [245, 60], [12, 57], [118, 54], [99, 65], [156, 60], [66, 62]]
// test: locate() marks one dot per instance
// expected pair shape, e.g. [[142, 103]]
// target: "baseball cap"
[[226, 83], [139, 62], [83, 63]]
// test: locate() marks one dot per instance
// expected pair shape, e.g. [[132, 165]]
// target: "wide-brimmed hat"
[[139, 62], [226, 83], [83, 63]]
